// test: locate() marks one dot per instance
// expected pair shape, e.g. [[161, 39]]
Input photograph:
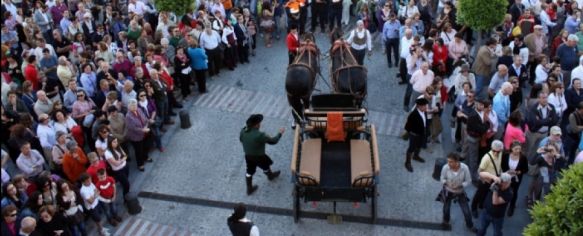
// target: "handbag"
[[516, 31]]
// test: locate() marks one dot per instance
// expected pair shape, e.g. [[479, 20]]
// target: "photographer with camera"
[[496, 201], [455, 176], [546, 163], [489, 171]]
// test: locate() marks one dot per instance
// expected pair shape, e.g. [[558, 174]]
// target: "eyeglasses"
[[496, 151], [143, 95], [80, 95], [514, 82]]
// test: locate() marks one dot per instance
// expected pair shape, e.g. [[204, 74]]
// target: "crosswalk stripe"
[[219, 96], [222, 102], [153, 228], [251, 102], [236, 100], [211, 89], [123, 227], [144, 226], [133, 227], [161, 231]]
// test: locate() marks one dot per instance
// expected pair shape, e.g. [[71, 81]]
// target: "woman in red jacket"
[[31, 73], [439, 57]]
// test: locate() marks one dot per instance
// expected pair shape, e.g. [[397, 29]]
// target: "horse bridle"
[[307, 47], [343, 47]]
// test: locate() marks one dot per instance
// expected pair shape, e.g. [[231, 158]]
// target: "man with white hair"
[[360, 41], [489, 170], [501, 105], [421, 79], [28, 226], [498, 79], [404, 52], [128, 92], [43, 104], [495, 203], [569, 55]]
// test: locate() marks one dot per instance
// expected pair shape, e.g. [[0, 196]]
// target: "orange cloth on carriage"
[[335, 127]]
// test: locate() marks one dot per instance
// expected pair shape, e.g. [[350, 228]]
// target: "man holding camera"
[[489, 171], [495, 203]]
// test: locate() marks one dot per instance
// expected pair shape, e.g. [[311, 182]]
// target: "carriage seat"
[[361, 164], [311, 157]]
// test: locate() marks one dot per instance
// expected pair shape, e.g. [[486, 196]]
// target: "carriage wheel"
[[373, 205], [296, 207]]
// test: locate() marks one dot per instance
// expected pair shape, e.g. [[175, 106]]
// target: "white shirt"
[[422, 114], [546, 22], [360, 34], [88, 192], [66, 127], [541, 74], [405, 44], [38, 51], [101, 144], [576, 73], [210, 41], [523, 53], [138, 8], [46, 135], [109, 156], [558, 102], [512, 164], [448, 37]]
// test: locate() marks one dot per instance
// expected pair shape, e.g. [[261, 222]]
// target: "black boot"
[[408, 163], [272, 175], [250, 187], [418, 158]]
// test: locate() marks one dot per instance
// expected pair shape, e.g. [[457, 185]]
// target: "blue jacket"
[[198, 58]]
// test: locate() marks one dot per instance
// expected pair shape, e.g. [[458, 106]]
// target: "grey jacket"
[[456, 183]]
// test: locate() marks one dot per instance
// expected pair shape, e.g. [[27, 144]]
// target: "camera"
[[494, 187]]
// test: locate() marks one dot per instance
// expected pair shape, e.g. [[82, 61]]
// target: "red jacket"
[[164, 76], [31, 74], [292, 43], [439, 54]]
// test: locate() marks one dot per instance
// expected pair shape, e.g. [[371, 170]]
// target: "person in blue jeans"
[[495, 203]]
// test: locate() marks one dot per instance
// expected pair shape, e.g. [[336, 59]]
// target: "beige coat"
[[531, 45], [484, 62]]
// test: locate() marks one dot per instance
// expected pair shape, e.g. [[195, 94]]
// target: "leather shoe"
[[178, 105], [402, 82], [409, 167], [419, 159]]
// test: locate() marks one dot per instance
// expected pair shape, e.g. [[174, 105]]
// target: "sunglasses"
[[142, 95], [80, 95]]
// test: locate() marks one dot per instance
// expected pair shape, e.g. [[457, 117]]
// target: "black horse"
[[347, 75], [300, 79]]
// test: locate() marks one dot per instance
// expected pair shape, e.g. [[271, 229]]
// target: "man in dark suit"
[[477, 126], [519, 70], [416, 127]]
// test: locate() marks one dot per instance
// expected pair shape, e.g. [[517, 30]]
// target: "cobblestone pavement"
[[191, 186]]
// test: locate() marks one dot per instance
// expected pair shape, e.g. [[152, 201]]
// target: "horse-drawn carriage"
[[335, 156]]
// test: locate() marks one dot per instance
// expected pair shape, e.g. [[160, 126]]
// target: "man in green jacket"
[[254, 142]]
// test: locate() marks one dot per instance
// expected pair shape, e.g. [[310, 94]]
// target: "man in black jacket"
[[540, 117], [476, 126], [519, 70], [416, 128]]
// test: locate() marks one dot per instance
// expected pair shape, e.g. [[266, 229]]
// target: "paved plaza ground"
[[191, 187]]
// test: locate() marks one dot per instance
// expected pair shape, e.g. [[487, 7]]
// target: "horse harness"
[[344, 48], [310, 48]]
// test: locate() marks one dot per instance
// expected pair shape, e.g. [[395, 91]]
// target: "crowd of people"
[[500, 133], [89, 85]]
